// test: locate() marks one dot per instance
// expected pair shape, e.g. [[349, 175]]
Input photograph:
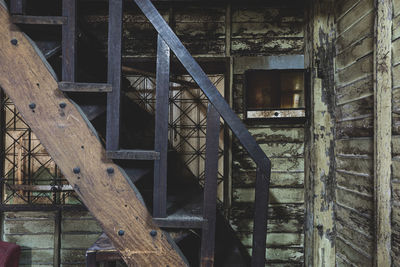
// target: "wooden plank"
[[69, 41], [353, 91], [161, 129], [358, 11], [134, 154], [396, 7], [110, 197], [114, 74], [356, 256], [194, 69], [355, 52], [84, 87], [39, 20], [357, 32], [210, 188], [354, 72], [383, 130]]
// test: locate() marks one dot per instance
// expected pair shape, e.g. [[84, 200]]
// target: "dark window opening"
[[275, 94]]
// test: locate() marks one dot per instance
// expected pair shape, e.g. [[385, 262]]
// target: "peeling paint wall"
[[354, 133], [36, 233], [255, 32]]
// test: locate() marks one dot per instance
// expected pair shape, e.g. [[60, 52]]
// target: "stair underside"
[[71, 142]]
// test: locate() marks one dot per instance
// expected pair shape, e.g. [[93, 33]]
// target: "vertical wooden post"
[[69, 41], [114, 73], [320, 154], [210, 188], [17, 7], [383, 130], [161, 126]]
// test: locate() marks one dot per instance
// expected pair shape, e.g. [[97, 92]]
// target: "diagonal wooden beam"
[[70, 141]]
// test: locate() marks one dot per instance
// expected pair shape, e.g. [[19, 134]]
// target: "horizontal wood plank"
[[84, 87], [39, 20]]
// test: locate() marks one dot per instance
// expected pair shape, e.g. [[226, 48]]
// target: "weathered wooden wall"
[[269, 31], [37, 233], [396, 135], [354, 133], [255, 30]]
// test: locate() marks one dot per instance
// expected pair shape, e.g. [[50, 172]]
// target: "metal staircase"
[[217, 109]]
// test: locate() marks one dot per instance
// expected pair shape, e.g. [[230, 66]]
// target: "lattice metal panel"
[[30, 175], [187, 118]]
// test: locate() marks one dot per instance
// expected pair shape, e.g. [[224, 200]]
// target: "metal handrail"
[[230, 118]]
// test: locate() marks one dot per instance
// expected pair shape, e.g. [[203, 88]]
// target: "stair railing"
[[217, 107], [167, 39]]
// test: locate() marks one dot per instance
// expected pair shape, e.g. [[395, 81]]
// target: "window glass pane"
[[274, 89]]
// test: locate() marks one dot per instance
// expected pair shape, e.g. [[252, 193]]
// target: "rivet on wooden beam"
[[110, 170], [14, 41], [153, 233], [121, 232], [76, 170]]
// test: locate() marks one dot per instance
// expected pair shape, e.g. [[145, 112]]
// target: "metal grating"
[[30, 176], [187, 118]]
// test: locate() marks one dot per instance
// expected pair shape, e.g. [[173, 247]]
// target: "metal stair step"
[[85, 87], [39, 20], [134, 154], [180, 221]]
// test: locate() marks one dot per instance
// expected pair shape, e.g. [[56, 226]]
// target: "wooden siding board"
[[358, 11], [352, 217], [358, 31], [359, 183], [360, 88], [363, 204], [352, 253], [360, 68], [361, 107], [396, 7], [396, 28], [344, 6], [355, 52], [354, 146], [361, 240]]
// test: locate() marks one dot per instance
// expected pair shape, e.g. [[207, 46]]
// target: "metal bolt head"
[[153, 233], [63, 105], [76, 170], [110, 170], [121, 232], [32, 105], [14, 41]]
